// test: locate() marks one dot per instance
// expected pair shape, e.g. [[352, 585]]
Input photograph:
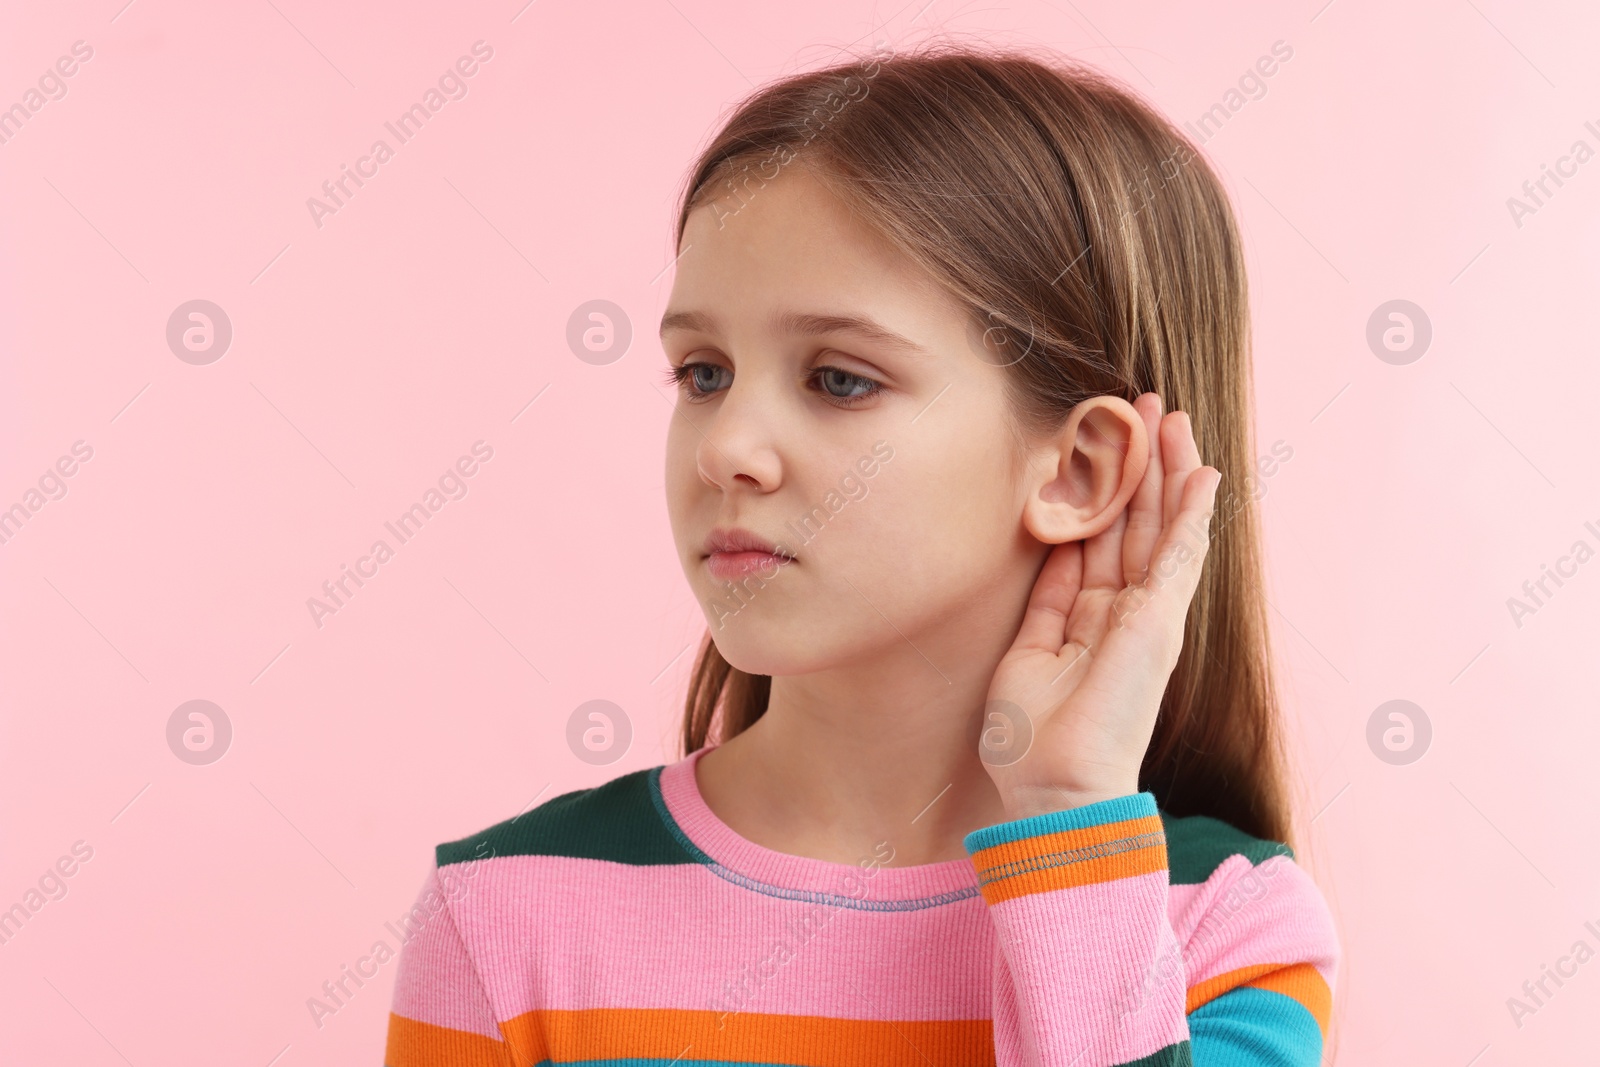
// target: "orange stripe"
[[1071, 858], [1066, 840], [413, 1043], [668, 1033], [1301, 981]]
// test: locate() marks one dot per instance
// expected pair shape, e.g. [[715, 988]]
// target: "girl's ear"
[[1083, 477]]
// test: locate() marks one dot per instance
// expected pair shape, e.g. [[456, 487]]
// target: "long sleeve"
[[1106, 960], [441, 1015]]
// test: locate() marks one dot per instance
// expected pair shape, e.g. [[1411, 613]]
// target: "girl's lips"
[[731, 566]]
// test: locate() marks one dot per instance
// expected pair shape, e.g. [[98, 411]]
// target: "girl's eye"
[[688, 379], [833, 376], [697, 386]]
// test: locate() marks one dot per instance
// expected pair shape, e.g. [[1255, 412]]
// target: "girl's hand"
[[1073, 703]]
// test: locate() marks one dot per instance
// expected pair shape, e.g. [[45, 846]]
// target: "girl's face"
[[835, 402]]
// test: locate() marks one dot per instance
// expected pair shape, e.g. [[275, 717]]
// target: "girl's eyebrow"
[[803, 323]]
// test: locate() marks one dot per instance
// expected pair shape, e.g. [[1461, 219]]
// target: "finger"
[[1146, 638], [1044, 622], [1087, 627], [1102, 556], [1182, 459], [1148, 620], [1103, 579], [1157, 609], [1145, 509]]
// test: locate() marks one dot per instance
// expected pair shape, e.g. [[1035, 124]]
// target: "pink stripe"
[[1273, 912], [436, 982], [1079, 963], [1010, 1049], [714, 837], [594, 934]]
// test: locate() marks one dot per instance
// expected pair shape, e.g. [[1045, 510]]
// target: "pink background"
[[368, 354]]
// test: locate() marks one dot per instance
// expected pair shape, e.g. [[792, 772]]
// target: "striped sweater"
[[627, 925]]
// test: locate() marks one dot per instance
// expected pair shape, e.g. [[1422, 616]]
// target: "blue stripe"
[[1248, 1027], [1117, 809]]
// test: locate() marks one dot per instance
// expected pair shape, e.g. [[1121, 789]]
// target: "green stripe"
[[1197, 845], [1178, 1055], [616, 821]]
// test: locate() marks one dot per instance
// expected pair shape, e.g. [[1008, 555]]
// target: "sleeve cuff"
[[1110, 839], [1117, 809]]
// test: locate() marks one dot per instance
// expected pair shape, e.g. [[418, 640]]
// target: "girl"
[[981, 762]]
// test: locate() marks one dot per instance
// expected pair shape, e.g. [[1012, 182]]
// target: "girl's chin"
[[783, 650], [769, 654]]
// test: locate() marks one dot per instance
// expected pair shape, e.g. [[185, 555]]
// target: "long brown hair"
[[1087, 234]]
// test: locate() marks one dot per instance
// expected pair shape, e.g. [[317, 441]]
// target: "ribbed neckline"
[[780, 874]]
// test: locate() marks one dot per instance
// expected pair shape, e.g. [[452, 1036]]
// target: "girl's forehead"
[[791, 255], [798, 266], [795, 216]]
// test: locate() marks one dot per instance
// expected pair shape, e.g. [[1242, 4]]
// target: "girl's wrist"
[[1026, 803]]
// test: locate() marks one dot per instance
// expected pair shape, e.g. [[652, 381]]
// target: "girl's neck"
[[801, 785]]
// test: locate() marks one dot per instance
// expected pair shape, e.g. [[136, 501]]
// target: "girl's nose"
[[737, 446]]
